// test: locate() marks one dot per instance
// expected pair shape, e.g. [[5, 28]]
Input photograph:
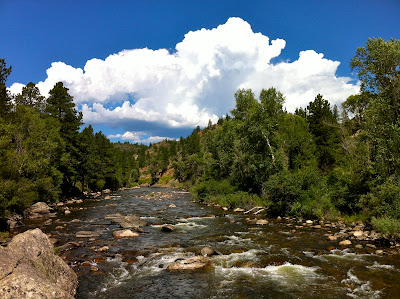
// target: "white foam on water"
[[235, 240], [288, 275], [189, 225], [378, 266], [115, 278], [358, 288], [337, 254], [229, 260], [196, 218], [148, 217]]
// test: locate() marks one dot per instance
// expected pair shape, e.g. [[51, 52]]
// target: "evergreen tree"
[[5, 99]]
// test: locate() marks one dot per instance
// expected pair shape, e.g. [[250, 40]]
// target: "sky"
[[143, 71]]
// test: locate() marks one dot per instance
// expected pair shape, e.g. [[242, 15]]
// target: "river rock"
[[207, 251], [358, 233], [107, 197], [345, 242], [239, 210], [67, 212], [87, 234], [262, 222], [115, 218], [30, 269], [332, 237], [125, 233], [106, 191], [104, 248], [132, 221], [172, 206], [37, 210], [192, 263], [14, 221], [168, 228]]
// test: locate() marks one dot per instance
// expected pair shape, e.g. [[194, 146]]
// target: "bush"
[[210, 188], [142, 181], [100, 184], [236, 200], [164, 180], [286, 192], [384, 200], [387, 225]]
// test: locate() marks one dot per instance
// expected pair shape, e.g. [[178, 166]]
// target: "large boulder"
[[132, 221], [30, 269], [37, 210], [192, 263]]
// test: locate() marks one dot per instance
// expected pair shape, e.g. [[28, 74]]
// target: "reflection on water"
[[268, 261]]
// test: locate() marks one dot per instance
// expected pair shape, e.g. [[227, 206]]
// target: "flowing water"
[[255, 261]]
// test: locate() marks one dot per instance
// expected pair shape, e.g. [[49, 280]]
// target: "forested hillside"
[[43, 154], [320, 161]]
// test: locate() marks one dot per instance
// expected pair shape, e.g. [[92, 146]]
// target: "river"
[[276, 260]]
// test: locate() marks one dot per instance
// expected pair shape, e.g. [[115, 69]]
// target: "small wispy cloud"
[[138, 137]]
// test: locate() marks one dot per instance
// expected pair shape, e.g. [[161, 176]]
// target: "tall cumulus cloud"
[[156, 89]]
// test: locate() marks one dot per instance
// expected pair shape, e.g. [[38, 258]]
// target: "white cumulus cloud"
[[158, 89]]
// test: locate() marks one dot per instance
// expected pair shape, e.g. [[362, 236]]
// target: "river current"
[[276, 260]]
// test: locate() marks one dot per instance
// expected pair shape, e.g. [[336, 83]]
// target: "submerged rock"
[[115, 218], [87, 234], [132, 221], [193, 263], [30, 269], [207, 251], [168, 228]]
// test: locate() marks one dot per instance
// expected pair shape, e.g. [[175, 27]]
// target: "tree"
[[5, 99], [60, 106], [30, 96], [378, 66], [323, 125]]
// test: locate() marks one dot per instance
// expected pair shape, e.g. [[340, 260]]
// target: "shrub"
[[142, 181], [236, 200], [209, 188], [387, 225]]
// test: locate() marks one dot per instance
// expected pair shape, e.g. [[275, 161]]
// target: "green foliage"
[[5, 99], [322, 123], [384, 200], [387, 225], [378, 65], [142, 181], [238, 199], [209, 188], [165, 180]]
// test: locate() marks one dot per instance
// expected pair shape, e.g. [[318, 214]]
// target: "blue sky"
[[141, 95]]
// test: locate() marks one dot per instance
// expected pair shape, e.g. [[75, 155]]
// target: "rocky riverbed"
[[157, 243]]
